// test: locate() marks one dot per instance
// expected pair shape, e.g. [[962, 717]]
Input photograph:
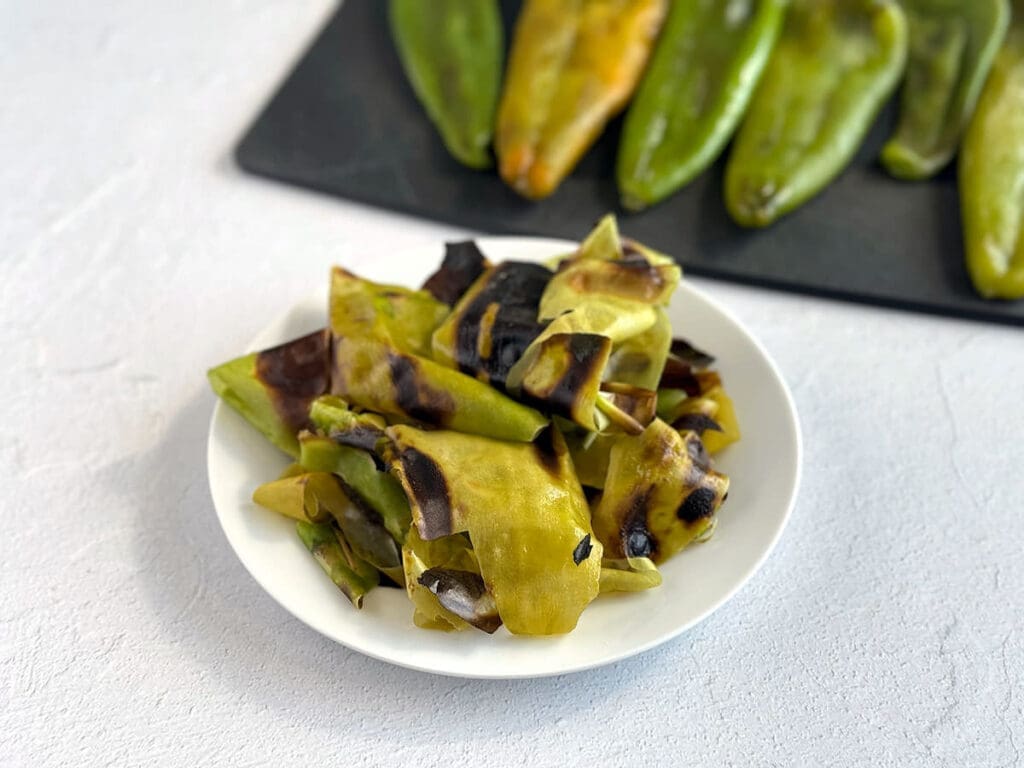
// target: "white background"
[[886, 630]]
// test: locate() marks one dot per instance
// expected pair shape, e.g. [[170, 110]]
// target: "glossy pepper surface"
[[992, 174], [573, 65], [952, 46], [834, 66], [708, 61], [452, 53], [524, 511]]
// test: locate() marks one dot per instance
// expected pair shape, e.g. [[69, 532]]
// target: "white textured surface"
[[886, 630]]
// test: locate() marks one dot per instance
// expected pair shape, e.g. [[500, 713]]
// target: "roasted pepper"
[[609, 293], [660, 494], [452, 52], [704, 70], [381, 339], [573, 65], [992, 174], [835, 65], [273, 389], [952, 46], [350, 574], [525, 514]]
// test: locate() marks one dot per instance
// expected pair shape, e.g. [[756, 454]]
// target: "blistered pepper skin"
[[835, 65], [573, 65], [709, 59], [452, 52], [992, 175], [952, 46]]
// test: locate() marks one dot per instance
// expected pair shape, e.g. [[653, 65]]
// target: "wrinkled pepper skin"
[[351, 575], [834, 66], [573, 65], [511, 498], [992, 175], [952, 46], [452, 52], [708, 61], [273, 389]]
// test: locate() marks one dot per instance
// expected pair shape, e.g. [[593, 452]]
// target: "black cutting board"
[[346, 122]]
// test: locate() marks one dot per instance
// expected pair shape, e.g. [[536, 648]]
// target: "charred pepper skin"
[[708, 61], [992, 175], [452, 52], [952, 46], [573, 65], [835, 65]]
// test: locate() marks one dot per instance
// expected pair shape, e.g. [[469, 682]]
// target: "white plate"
[[764, 468]]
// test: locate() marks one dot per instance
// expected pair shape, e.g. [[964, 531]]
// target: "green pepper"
[[362, 480], [573, 65], [610, 293], [952, 46], [308, 496], [452, 52], [835, 65], [273, 389], [703, 73], [659, 496], [525, 514], [992, 174], [397, 316], [351, 575], [630, 574]]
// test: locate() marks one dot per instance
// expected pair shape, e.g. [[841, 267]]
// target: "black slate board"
[[346, 122]]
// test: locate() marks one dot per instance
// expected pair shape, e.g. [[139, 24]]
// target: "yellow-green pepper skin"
[[659, 495], [273, 389], [708, 61], [452, 53], [351, 575], [834, 66], [952, 46], [524, 511], [992, 175], [573, 65], [381, 339]]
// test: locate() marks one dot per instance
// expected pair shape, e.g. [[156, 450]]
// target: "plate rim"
[[747, 573]]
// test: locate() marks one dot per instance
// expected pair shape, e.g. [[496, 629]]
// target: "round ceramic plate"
[[764, 468]]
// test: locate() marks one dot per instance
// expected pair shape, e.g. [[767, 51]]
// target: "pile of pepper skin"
[[794, 85], [505, 443]]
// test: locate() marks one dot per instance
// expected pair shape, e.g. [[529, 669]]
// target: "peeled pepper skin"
[[833, 68], [992, 174], [525, 513], [452, 52], [952, 46], [573, 65], [708, 61]]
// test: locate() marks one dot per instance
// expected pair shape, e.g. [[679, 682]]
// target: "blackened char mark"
[[295, 373], [583, 550], [697, 452], [429, 492], [587, 353], [463, 264], [699, 504], [414, 396], [688, 353], [635, 536], [516, 287], [464, 594], [679, 375], [696, 422], [547, 452]]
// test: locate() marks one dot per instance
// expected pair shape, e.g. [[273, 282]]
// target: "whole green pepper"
[[573, 65], [704, 70], [992, 174], [452, 53], [835, 65], [952, 46]]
